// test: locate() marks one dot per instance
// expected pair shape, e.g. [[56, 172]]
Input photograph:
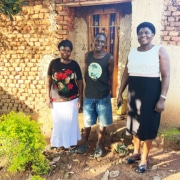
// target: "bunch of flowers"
[[61, 81]]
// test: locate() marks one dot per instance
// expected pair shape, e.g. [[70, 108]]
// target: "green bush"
[[36, 178], [121, 148], [11, 7], [22, 143]]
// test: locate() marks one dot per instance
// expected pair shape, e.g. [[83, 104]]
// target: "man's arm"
[[85, 66]]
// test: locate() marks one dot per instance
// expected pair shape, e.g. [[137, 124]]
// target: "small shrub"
[[171, 132], [22, 143], [11, 7], [121, 148], [171, 138], [36, 178]]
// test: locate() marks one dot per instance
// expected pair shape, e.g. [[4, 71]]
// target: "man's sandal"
[[98, 152], [132, 159], [141, 168], [82, 148]]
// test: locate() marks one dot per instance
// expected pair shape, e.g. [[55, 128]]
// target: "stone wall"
[[23, 43], [27, 45], [171, 23]]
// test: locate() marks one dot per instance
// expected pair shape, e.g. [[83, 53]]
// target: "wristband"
[[162, 96]]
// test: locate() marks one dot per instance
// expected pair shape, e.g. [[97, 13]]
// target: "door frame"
[[116, 41]]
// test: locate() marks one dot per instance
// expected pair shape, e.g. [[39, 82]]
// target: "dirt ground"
[[164, 162]]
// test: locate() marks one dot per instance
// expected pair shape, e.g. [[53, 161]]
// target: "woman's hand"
[[160, 105], [48, 89], [80, 100], [48, 102]]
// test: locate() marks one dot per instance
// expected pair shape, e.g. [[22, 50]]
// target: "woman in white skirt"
[[64, 87]]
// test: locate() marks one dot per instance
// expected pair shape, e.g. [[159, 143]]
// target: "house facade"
[[29, 43]]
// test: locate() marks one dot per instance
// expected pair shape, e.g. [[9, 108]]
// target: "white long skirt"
[[65, 130]]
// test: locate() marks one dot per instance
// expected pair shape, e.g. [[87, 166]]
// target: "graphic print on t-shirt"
[[62, 81], [94, 71]]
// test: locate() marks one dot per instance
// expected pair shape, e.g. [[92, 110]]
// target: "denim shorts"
[[97, 109]]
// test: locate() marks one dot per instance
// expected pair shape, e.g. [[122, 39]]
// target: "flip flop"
[[141, 168], [132, 159], [81, 149], [98, 152], [72, 150]]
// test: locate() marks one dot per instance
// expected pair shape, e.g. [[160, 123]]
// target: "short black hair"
[[65, 43], [100, 34], [146, 24]]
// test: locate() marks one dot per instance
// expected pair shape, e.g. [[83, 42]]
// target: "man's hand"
[[119, 101]]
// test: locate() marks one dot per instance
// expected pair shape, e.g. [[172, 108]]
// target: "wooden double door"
[[109, 24]]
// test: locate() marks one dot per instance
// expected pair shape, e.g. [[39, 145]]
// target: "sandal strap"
[[82, 148], [141, 168], [132, 159], [98, 152]]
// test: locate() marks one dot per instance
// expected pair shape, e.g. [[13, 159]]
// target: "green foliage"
[[171, 133], [36, 178], [121, 148], [22, 143], [11, 7]]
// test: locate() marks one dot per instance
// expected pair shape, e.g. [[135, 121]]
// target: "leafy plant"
[[171, 133], [36, 178], [11, 7], [22, 143], [121, 148]]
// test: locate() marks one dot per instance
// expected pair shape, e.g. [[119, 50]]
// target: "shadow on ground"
[[163, 162]]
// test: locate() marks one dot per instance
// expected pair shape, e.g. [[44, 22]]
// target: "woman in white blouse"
[[147, 74]]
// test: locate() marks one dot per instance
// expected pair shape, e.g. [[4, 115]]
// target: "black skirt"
[[143, 94]]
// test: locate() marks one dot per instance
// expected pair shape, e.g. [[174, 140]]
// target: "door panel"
[[107, 23]]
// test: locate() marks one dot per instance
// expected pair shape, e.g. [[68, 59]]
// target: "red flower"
[[61, 76], [55, 86], [62, 82], [70, 86], [68, 71]]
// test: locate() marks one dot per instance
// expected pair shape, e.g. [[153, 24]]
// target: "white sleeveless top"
[[145, 63]]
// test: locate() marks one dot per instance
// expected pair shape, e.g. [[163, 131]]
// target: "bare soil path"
[[164, 161]]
